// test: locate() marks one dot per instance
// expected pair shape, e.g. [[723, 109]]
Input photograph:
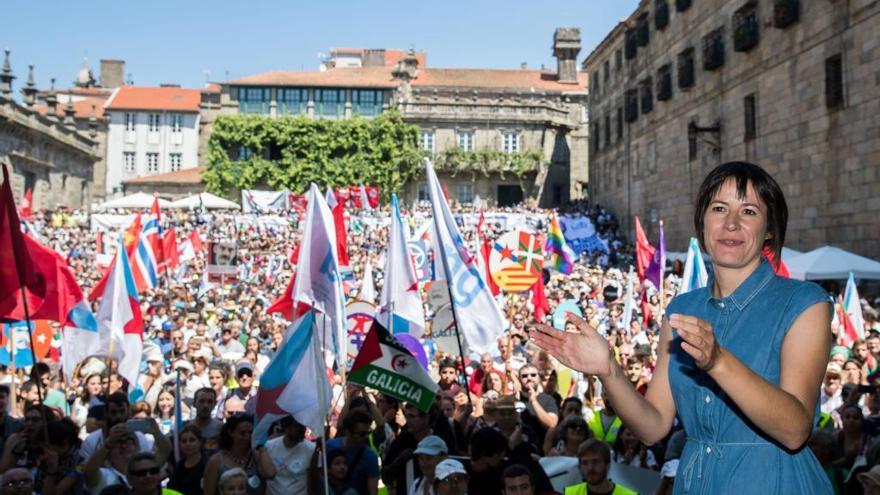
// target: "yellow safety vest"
[[581, 489], [595, 424]]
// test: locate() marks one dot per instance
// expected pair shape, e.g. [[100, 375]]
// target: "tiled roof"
[[497, 78], [82, 108], [380, 77], [211, 88], [185, 176], [350, 77], [162, 98]]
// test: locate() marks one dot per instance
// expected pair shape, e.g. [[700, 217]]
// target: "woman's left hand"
[[699, 340]]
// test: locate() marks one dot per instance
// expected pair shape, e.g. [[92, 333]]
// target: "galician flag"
[[119, 318], [294, 383], [400, 290], [477, 316], [852, 320], [386, 365], [318, 283], [695, 275]]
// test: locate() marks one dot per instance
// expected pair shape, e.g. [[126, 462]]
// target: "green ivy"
[[382, 151], [487, 161]]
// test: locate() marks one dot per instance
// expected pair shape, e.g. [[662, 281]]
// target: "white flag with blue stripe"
[[695, 275]]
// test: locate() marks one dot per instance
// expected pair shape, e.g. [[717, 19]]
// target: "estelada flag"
[[386, 365], [516, 260]]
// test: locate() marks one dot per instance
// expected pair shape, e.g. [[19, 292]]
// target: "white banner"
[[253, 200]]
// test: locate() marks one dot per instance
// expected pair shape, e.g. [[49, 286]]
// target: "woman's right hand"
[[585, 350]]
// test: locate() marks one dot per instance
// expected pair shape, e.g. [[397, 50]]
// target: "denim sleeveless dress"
[[725, 452]]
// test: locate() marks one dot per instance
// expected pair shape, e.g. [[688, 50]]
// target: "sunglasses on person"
[[140, 473], [528, 375]]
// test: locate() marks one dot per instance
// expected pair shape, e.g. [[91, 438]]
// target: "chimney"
[[112, 73], [373, 57], [524, 65], [566, 46]]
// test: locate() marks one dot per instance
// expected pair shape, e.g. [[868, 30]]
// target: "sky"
[[188, 42]]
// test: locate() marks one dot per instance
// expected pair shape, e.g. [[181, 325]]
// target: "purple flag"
[[654, 273]]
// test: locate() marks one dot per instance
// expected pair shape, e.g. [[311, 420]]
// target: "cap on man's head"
[[244, 365], [431, 445], [833, 369], [447, 468], [168, 326]]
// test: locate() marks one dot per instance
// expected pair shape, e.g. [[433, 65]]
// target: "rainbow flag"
[[561, 257]]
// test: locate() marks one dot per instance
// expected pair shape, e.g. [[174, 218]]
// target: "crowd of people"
[[497, 423]]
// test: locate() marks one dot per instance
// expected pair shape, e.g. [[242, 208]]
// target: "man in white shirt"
[[291, 453], [117, 412]]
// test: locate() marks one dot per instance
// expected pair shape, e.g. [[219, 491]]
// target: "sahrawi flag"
[[386, 365], [477, 316], [400, 290]]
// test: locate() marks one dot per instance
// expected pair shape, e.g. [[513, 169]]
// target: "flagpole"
[[178, 415], [442, 247], [321, 399], [10, 339]]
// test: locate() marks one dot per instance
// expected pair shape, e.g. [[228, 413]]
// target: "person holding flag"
[[740, 361]]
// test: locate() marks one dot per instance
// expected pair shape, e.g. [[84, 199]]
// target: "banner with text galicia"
[[386, 365]]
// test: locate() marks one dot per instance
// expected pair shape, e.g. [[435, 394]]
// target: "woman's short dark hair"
[[515, 471], [487, 442], [745, 173], [194, 431], [225, 440]]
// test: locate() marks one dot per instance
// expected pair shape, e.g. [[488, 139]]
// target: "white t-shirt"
[[96, 438], [291, 466], [107, 477]]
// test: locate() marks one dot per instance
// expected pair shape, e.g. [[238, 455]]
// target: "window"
[[594, 87], [366, 102], [428, 141], [713, 49], [153, 121], [834, 82], [423, 193], [746, 34], [619, 123], [244, 153], [643, 30], [646, 88], [329, 103], [253, 100], [130, 121], [128, 161], [631, 102], [176, 122], [750, 124], [785, 13], [692, 141], [682, 5], [510, 142], [664, 82], [174, 160], [630, 44], [606, 70], [464, 192], [618, 60], [686, 69], [661, 14], [466, 140], [152, 162], [607, 130], [292, 101]]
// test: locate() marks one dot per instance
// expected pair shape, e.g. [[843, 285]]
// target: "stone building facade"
[[47, 154], [511, 111], [684, 85]]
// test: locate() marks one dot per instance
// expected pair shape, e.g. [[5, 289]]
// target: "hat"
[[431, 445], [447, 468], [506, 402], [93, 366], [870, 477], [244, 365], [833, 369], [182, 364], [153, 354], [229, 305], [168, 325]]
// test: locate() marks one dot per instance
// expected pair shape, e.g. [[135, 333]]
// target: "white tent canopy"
[[831, 263], [207, 200], [136, 200]]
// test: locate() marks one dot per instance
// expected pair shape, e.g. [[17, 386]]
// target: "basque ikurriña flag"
[[386, 365], [119, 318], [478, 317], [294, 383]]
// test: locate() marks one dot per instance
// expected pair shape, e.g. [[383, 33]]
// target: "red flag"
[[196, 240], [169, 248], [16, 267], [354, 195], [373, 196], [26, 205], [644, 250], [485, 248], [99, 242], [539, 300], [130, 240], [61, 294], [337, 208], [779, 268], [284, 304]]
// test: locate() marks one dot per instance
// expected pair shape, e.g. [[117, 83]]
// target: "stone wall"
[[827, 159]]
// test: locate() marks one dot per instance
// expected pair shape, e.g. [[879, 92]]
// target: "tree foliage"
[[487, 161], [293, 152]]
